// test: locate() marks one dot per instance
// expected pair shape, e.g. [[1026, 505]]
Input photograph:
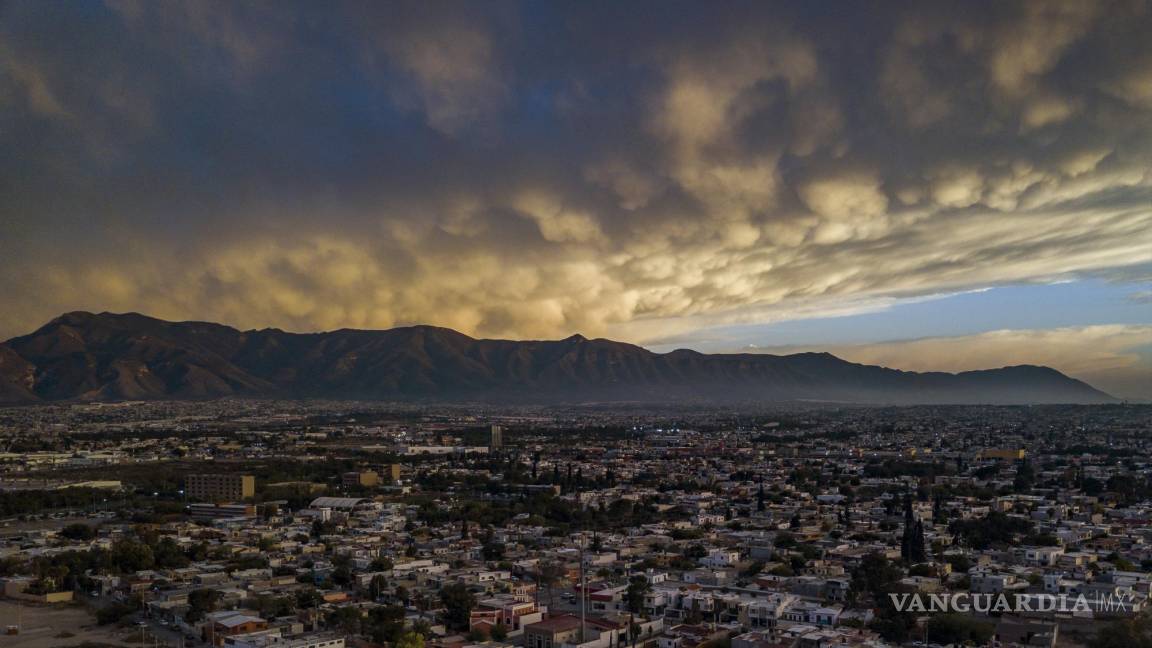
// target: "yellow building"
[[393, 472], [366, 478], [220, 488]]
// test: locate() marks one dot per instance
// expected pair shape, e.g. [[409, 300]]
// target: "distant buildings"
[[220, 488], [1003, 454], [753, 530], [205, 512], [496, 438]]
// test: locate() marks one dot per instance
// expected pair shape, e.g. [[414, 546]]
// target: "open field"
[[47, 627]]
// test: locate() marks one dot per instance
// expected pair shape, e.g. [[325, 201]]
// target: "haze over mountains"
[[109, 356]]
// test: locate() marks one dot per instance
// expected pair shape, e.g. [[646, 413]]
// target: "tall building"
[[220, 488], [393, 472], [365, 478], [496, 438]]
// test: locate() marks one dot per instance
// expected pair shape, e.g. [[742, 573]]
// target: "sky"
[[924, 185]]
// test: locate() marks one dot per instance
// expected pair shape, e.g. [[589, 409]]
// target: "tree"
[[384, 624], [1025, 477], [348, 619], [875, 576], [634, 596], [401, 593], [458, 603], [201, 602], [308, 598], [78, 531], [634, 631], [131, 556], [492, 550], [376, 587], [548, 574], [167, 554], [113, 613], [996, 528], [958, 628], [912, 544], [422, 628], [342, 575], [1125, 633], [410, 640]]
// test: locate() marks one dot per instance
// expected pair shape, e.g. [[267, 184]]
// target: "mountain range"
[[106, 356]]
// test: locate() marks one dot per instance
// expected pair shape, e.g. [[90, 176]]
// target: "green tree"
[[410, 640], [401, 594], [78, 531], [548, 574], [201, 602], [347, 619], [1125, 633], [634, 596], [376, 587], [131, 556], [959, 628], [385, 624], [458, 603], [308, 598], [113, 613], [167, 554]]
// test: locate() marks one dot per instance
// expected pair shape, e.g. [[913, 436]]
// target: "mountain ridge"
[[107, 356]]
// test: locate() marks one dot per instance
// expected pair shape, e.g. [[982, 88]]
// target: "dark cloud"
[[527, 169]]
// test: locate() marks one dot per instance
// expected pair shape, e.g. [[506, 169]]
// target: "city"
[[315, 524]]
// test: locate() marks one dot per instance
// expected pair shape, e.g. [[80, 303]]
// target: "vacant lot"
[[48, 627]]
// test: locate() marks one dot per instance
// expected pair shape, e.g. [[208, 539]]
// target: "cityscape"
[[576, 324], [318, 524]]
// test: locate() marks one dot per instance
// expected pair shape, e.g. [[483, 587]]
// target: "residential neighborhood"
[[802, 528]]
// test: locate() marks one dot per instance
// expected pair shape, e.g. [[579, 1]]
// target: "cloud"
[[1114, 358], [446, 58], [537, 171]]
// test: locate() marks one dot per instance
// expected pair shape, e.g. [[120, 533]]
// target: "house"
[[720, 558], [505, 611], [220, 625], [552, 632]]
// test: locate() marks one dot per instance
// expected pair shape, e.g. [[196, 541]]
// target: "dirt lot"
[[45, 627]]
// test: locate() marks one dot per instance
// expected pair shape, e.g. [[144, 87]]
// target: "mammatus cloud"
[[544, 170]]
